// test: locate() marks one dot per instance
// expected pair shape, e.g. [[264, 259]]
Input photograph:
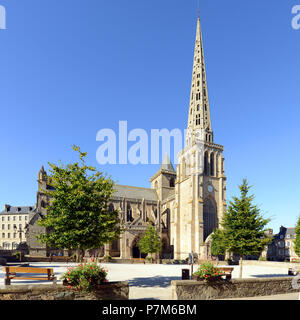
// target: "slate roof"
[[17, 210], [284, 232], [167, 164], [130, 192]]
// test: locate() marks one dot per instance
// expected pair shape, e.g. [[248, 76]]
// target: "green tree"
[[78, 215], [150, 241], [244, 227], [297, 240], [218, 244]]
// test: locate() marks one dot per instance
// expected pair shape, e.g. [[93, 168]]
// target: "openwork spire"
[[199, 111]]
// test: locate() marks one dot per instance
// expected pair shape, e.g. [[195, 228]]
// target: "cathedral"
[[186, 204]]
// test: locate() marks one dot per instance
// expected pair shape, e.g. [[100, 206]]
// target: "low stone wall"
[[271, 264], [108, 291], [235, 288]]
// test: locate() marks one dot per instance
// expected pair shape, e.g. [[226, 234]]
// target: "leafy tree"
[[150, 241], [243, 226], [218, 246], [78, 216], [297, 240]]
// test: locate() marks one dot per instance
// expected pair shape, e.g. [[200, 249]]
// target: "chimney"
[[7, 207]]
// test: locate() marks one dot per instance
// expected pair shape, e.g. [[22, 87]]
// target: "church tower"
[[200, 188]]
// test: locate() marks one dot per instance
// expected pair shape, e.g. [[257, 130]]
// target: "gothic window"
[[198, 107], [206, 163], [129, 213], [198, 119], [156, 185], [111, 207], [212, 164], [204, 92], [172, 183], [198, 83], [210, 218]]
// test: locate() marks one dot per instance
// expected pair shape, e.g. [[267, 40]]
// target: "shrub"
[[207, 271], [107, 258], [17, 255], [149, 259], [262, 259], [85, 277]]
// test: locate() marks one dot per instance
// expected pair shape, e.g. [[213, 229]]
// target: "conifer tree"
[[243, 226]]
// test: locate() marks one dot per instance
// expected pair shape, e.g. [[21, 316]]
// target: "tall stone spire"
[[199, 111]]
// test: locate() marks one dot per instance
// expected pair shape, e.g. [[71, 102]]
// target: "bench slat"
[[30, 278], [28, 270]]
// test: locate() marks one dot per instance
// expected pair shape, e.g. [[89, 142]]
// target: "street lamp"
[[20, 237]]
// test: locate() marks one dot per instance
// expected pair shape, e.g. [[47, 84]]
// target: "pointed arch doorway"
[[135, 251]]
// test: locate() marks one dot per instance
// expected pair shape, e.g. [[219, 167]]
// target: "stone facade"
[[109, 291], [13, 221], [236, 288], [282, 246]]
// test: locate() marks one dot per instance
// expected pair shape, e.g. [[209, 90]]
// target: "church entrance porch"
[[136, 253]]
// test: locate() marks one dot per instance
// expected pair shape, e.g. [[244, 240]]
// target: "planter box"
[[107, 291], [236, 288]]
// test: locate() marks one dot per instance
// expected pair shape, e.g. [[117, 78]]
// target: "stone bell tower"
[[200, 188]]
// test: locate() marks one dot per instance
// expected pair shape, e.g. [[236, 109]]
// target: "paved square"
[[152, 281]]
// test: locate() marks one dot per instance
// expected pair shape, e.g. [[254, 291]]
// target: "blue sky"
[[70, 68]]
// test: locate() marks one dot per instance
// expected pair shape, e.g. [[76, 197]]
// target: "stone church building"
[[185, 204]]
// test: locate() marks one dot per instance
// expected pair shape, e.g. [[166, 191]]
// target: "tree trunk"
[[79, 254], [241, 267]]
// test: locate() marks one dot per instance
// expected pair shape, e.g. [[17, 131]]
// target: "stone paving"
[[153, 281]]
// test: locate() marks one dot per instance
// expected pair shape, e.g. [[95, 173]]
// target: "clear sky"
[[69, 68]]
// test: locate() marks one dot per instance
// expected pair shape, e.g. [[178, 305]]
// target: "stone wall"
[[236, 288], [272, 264], [109, 291]]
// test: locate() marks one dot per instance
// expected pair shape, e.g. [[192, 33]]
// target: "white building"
[[12, 226]]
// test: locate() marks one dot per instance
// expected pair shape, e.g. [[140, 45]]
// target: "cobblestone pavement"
[[153, 281]]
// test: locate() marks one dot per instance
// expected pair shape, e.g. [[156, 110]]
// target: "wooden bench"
[[227, 272], [137, 260], [21, 274], [60, 258]]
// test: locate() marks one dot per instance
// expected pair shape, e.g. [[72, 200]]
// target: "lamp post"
[[20, 237]]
